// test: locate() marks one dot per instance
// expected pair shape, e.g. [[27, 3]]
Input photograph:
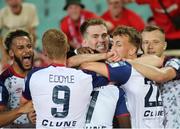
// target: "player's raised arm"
[[79, 59], [147, 59], [96, 67], [116, 72], [159, 75]]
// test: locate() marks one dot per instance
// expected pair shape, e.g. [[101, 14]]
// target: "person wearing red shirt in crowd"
[[117, 15], [70, 24], [162, 20]]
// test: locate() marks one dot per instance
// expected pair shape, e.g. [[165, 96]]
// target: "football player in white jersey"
[[18, 44], [167, 78], [7, 117], [143, 98], [106, 102], [60, 95]]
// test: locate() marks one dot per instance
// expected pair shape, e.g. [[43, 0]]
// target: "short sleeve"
[[26, 91], [175, 64], [119, 72], [98, 80]]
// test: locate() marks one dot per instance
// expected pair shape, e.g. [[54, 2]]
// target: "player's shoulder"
[[169, 59], [35, 70], [79, 72], [6, 74], [173, 62]]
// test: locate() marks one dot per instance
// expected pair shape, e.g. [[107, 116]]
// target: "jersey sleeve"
[[119, 72], [4, 95], [98, 80], [26, 91], [175, 64], [121, 109]]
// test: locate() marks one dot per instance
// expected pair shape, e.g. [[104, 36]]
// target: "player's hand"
[[85, 50], [32, 117], [113, 56], [26, 108]]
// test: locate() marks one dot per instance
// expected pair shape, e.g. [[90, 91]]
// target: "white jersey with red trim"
[[14, 85], [102, 107], [60, 96], [144, 101], [107, 102]]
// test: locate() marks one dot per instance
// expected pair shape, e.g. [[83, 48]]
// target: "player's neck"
[[162, 57], [18, 70], [59, 62]]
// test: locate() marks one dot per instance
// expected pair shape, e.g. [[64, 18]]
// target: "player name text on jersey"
[[61, 79]]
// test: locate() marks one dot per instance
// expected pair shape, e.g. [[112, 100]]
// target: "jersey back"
[[60, 96]]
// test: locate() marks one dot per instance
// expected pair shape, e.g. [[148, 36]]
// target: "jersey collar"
[[56, 64], [15, 73]]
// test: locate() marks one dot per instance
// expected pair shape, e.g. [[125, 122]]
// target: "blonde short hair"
[[55, 44]]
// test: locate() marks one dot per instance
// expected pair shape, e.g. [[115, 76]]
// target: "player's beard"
[[20, 64]]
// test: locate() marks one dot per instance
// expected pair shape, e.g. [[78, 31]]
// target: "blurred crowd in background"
[[67, 15]]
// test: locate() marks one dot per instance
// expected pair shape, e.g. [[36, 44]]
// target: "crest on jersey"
[[118, 64]]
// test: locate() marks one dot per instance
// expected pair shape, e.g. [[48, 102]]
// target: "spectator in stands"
[[117, 15], [151, 21], [163, 20], [70, 24], [17, 15]]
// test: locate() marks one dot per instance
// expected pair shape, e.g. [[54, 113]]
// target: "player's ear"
[[84, 43], [132, 51], [165, 46], [11, 53]]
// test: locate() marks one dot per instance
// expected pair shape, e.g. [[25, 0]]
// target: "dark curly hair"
[[14, 34]]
